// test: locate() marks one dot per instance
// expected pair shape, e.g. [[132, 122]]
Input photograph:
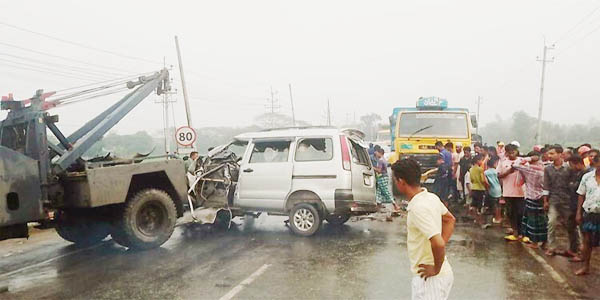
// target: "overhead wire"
[[80, 44], [71, 67], [63, 57], [47, 72], [578, 40], [93, 77], [564, 35], [54, 67]]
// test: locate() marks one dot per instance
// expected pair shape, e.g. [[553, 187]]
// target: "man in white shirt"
[[429, 225]]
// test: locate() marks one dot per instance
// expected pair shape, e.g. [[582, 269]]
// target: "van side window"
[[270, 152], [359, 154], [318, 149]]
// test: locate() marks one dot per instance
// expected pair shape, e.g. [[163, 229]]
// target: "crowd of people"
[[535, 193]]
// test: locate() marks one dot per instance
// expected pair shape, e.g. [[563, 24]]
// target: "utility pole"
[[292, 101], [185, 94], [538, 136], [166, 102], [328, 113], [272, 107], [272, 101], [478, 122]]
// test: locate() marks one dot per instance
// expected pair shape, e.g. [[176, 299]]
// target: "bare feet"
[[582, 271], [532, 245], [550, 252], [570, 253], [576, 259]]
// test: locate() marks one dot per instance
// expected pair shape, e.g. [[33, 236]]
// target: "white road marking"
[[553, 273], [238, 288], [50, 260]]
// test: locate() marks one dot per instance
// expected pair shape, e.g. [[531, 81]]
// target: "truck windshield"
[[433, 124]]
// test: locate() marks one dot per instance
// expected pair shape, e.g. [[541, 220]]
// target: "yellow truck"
[[414, 131]]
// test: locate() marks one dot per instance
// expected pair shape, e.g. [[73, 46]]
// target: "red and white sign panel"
[[185, 136]]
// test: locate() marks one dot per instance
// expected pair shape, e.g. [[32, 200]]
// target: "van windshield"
[[433, 124]]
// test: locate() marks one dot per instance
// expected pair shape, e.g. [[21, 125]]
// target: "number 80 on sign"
[[185, 136]]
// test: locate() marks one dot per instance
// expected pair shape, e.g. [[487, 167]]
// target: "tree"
[[369, 124]]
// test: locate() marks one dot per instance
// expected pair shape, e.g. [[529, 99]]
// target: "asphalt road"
[[261, 259]]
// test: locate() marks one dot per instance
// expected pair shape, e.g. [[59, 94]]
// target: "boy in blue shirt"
[[494, 190]]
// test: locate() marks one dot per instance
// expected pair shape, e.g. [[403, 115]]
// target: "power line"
[[564, 35], [74, 68], [578, 40], [93, 77], [47, 72], [64, 58], [60, 67], [79, 44]]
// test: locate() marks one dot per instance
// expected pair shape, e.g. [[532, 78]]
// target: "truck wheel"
[[148, 220], [305, 220], [80, 231], [337, 219], [118, 235]]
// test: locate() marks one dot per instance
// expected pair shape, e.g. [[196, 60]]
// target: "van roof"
[[298, 131]]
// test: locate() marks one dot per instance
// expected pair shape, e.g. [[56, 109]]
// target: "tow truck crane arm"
[[84, 138]]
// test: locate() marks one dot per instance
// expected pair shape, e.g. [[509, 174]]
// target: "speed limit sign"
[[185, 136]]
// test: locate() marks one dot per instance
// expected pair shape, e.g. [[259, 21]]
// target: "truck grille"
[[427, 161]]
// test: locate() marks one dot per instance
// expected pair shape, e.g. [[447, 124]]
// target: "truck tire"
[[81, 231], [148, 220], [305, 219], [118, 235], [337, 220]]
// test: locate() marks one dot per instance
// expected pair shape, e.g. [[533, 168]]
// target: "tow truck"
[[136, 201]]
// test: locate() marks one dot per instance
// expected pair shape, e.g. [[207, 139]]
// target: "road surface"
[[261, 259]]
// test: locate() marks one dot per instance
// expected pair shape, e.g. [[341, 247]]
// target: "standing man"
[[534, 225], [464, 166], [512, 190], [500, 149], [452, 177], [557, 202], [190, 167], [478, 148], [383, 181], [429, 225], [588, 213], [447, 155]]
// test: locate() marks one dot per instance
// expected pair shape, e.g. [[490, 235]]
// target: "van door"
[[265, 176], [363, 175]]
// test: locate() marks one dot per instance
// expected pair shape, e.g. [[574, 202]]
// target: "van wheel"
[[147, 221], [304, 219], [337, 219]]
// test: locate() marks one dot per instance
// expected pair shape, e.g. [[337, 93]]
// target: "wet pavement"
[[262, 259]]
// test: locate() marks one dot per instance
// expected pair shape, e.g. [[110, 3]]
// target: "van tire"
[[305, 219], [337, 220], [147, 221]]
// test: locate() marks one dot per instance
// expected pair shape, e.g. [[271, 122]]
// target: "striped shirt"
[[534, 179]]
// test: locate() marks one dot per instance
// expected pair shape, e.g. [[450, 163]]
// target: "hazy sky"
[[366, 56]]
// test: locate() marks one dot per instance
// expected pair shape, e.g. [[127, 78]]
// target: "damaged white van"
[[310, 174]]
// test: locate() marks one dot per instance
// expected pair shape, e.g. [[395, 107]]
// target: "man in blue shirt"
[[447, 155]]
